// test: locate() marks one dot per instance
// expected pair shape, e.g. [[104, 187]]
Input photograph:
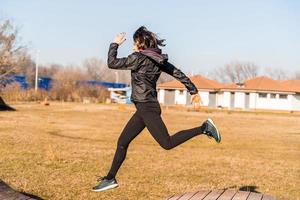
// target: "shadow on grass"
[[32, 196], [246, 188], [56, 133], [249, 188], [4, 106], [6, 192]]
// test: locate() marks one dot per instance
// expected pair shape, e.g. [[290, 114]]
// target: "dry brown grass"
[[56, 152]]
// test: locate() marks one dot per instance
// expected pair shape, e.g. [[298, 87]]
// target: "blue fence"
[[21, 80], [107, 84], [46, 83]]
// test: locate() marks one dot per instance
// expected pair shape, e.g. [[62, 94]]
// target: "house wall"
[[257, 102], [224, 99], [252, 100], [161, 96], [180, 98], [204, 97], [239, 100], [296, 102], [219, 99]]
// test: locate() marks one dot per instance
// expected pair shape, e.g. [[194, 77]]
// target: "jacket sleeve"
[[180, 76], [127, 63]]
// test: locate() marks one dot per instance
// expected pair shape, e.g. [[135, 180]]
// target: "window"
[[262, 95], [273, 96], [181, 92], [283, 96]]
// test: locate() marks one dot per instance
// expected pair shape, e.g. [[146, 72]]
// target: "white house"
[[261, 93], [174, 92]]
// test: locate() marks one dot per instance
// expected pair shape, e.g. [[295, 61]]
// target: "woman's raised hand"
[[120, 38]]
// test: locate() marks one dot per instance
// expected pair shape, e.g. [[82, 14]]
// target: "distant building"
[[120, 95], [259, 93], [174, 92]]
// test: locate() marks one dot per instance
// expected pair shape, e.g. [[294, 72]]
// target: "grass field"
[[57, 152]]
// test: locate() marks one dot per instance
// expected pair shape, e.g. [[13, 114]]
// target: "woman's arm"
[[179, 75], [127, 63], [113, 62]]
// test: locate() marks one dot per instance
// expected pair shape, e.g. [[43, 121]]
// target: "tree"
[[66, 81], [98, 70], [297, 76], [277, 74], [236, 72], [11, 55]]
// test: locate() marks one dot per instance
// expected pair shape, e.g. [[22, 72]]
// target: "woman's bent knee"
[[166, 146]]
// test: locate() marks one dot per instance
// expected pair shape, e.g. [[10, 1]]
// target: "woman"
[[146, 64]]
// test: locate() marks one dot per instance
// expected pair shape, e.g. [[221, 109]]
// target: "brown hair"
[[147, 39]]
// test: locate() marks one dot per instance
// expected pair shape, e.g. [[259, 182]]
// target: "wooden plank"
[[22, 197], [187, 196], [219, 195], [8, 193], [241, 195], [268, 197], [214, 195], [200, 195], [176, 197], [255, 196], [227, 195]]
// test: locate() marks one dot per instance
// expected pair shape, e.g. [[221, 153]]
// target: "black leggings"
[[148, 115]]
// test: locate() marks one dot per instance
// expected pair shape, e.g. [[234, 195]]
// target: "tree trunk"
[[4, 106]]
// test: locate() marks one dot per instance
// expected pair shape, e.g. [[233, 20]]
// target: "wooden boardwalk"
[[221, 195], [7, 193]]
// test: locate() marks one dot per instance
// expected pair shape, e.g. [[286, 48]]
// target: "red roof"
[[293, 85], [199, 81], [261, 83]]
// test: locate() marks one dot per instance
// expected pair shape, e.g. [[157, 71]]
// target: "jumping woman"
[[146, 64]]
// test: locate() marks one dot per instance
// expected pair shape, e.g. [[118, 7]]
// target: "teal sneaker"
[[105, 184], [211, 130]]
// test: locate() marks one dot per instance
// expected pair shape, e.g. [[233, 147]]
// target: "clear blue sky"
[[201, 35]]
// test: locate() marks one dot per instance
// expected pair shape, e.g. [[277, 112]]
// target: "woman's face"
[[135, 47]]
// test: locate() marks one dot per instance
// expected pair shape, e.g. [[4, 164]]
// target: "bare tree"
[[50, 70], [66, 81], [276, 73], [27, 68], [98, 70], [11, 54], [236, 72], [70, 85], [297, 75]]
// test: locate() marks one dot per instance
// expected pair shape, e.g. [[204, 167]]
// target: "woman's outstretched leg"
[[133, 127]]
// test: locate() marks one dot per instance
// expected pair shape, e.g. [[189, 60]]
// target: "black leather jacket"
[[146, 67]]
